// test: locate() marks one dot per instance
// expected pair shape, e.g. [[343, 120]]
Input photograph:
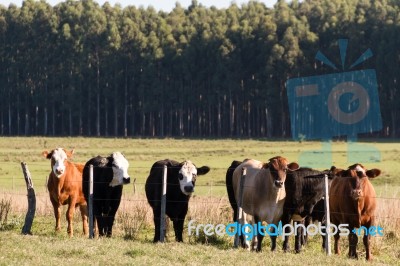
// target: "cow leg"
[[70, 217], [178, 228], [366, 240], [57, 214], [273, 239], [109, 222], [157, 224], [307, 222], [107, 225], [260, 237], [337, 245], [324, 241], [243, 238], [324, 236], [353, 240], [84, 213], [260, 234], [98, 217], [298, 238], [286, 220], [101, 224]]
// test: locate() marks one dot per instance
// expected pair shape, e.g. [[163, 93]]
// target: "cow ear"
[[203, 170], [69, 153], [335, 171], [103, 161], [373, 173], [47, 154], [293, 166], [110, 161]]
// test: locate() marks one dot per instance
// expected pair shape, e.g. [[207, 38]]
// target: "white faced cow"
[[109, 175], [263, 191], [181, 178], [65, 187]]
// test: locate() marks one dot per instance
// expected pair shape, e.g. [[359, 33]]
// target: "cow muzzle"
[[59, 172], [278, 183], [188, 189], [126, 180], [356, 194]]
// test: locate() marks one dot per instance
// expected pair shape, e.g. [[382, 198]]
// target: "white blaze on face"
[[358, 168], [187, 175], [120, 170], [57, 160]]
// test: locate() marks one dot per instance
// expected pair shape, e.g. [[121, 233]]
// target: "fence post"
[[30, 215], [328, 218], [239, 205], [163, 205], [91, 224]]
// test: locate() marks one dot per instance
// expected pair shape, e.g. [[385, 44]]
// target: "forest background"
[[78, 68]]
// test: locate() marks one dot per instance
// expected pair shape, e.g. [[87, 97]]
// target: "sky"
[[165, 5]]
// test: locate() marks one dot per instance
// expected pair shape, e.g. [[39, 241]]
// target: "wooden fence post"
[[328, 218], [163, 205], [30, 215], [239, 205], [90, 203]]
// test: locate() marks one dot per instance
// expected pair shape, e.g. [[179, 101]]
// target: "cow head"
[[278, 167], [358, 175], [188, 174], [58, 158], [120, 167]]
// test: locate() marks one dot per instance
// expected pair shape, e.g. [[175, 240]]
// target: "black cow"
[[181, 178], [305, 189], [229, 188], [109, 174]]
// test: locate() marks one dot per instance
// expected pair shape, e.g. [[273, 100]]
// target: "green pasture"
[[47, 248], [217, 154]]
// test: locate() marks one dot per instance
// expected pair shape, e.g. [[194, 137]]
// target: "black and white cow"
[[304, 203], [181, 178], [109, 174]]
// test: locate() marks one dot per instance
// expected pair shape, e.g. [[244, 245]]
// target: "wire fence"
[[209, 203]]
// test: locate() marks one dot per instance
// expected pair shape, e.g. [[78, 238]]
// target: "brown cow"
[[65, 187], [263, 192], [352, 202]]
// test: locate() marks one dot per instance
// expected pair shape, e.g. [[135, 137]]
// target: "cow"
[[65, 188], [305, 189], [353, 202], [181, 179], [109, 175], [263, 192], [229, 188]]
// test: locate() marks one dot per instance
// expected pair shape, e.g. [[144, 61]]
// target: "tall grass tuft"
[[208, 210], [133, 222], [5, 209]]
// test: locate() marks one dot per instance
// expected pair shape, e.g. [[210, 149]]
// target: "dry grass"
[[133, 230]]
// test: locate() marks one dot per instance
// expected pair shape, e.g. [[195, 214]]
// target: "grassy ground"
[[131, 243]]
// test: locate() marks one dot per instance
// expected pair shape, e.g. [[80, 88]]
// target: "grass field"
[[131, 243]]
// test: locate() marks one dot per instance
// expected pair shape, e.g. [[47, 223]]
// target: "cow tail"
[[229, 187]]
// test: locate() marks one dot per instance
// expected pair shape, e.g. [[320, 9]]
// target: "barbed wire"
[[210, 186], [197, 201]]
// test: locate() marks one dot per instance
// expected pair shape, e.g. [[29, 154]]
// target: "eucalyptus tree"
[[70, 64], [5, 108], [132, 42], [111, 76]]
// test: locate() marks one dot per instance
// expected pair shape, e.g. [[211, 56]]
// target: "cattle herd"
[[273, 192]]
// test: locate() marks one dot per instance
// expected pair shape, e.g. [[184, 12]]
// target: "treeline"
[[78, 68]]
